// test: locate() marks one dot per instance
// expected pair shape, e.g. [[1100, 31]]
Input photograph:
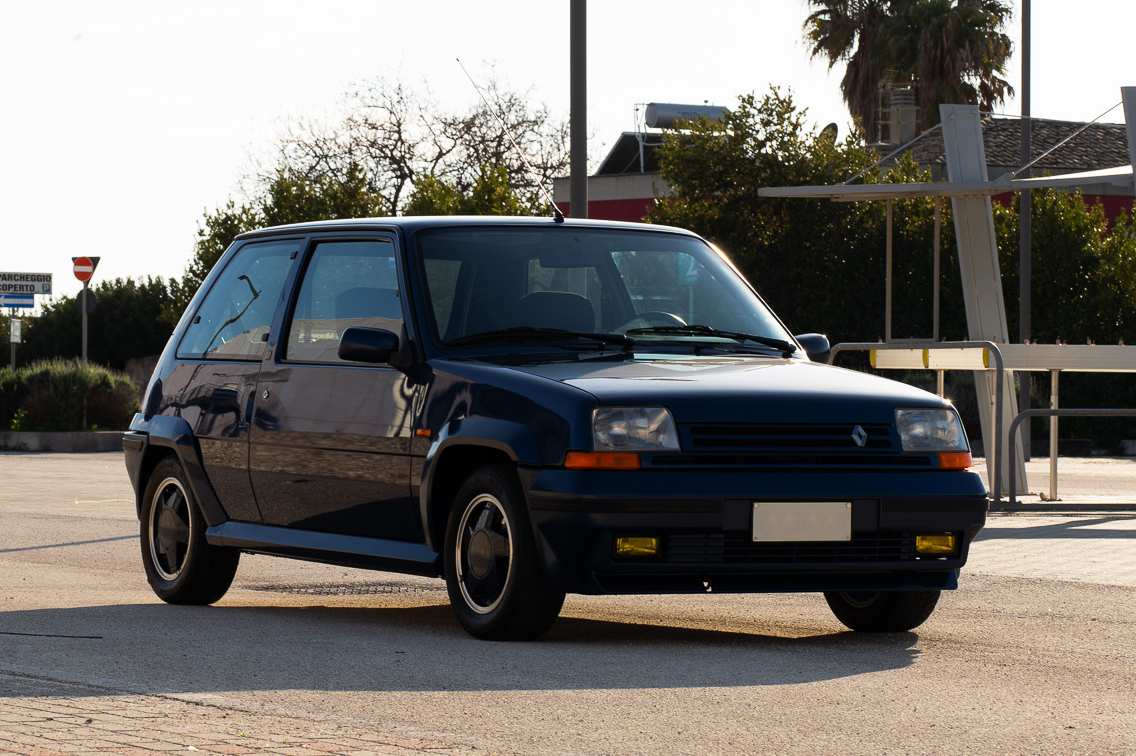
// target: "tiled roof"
[[1102, 145]]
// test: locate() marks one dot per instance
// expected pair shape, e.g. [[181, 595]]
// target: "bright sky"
[[122, 121]]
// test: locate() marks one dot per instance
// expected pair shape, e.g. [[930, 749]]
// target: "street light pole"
[[1025, 206], [578, 118]]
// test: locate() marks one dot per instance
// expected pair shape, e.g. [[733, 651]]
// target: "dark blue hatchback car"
[[528, 408]]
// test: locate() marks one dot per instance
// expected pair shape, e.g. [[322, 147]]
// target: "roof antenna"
[[557, 215]]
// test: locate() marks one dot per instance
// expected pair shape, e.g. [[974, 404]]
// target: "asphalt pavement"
[[336, 659]]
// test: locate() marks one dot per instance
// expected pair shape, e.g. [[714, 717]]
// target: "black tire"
[[492, 573], [181, 566], [882, 611]]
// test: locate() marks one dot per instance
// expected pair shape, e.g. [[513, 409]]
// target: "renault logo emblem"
[[859, 435]]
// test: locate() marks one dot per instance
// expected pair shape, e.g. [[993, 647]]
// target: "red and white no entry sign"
[[84, 267]]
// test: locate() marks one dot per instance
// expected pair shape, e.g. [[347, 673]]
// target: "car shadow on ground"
[[412, 645]]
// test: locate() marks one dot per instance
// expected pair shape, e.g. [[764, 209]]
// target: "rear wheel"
[[882, 611], [181, 566], [492, 574]]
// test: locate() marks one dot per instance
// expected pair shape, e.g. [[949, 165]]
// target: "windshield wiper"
[[785, 347], [533, 333]]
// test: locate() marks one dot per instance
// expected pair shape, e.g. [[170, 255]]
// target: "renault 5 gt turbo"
[[531, 407]]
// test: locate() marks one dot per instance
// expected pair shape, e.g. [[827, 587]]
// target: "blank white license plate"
[[802, 521]]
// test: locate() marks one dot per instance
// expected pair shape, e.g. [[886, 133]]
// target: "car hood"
[[739, 388]]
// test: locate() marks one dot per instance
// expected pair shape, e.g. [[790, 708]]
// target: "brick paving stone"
[[338, 746], [49, 724], [112, 726], [413, 743], [30, 740], [207, 735], [152, 746], [1058, 547], [96, 743]]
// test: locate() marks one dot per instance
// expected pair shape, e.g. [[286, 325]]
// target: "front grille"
[[716, 548], [798, 446]]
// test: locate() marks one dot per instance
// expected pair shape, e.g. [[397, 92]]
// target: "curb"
[[66, 442], [1065, 507]]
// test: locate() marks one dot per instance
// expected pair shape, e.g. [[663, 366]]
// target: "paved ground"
[[74, 680], [1083, 483]]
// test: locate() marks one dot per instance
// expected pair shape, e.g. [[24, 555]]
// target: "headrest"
[[556, 309], [366, 302]]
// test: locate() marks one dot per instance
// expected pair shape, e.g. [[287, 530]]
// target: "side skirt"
[[330, 548]]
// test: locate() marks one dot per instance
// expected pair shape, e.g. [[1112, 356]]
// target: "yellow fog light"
[[935, 544], [631, 547]]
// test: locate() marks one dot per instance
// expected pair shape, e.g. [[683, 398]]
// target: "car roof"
[[410, 224]]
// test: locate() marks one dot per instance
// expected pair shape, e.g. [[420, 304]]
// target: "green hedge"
[[49, 396], [12, 394]]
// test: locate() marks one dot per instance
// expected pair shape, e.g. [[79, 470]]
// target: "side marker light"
[[955, 461], [601, 461]]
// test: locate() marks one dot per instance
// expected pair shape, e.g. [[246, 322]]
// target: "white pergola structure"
[[970, 189]]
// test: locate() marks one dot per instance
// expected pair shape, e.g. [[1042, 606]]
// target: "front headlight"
[[633, 429], [931, 430]]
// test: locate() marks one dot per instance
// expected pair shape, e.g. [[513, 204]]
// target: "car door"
[[219, 358], [330, 439]]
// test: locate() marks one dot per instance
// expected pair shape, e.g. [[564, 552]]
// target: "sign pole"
[[84, 268], [12, 334], [84, 309]]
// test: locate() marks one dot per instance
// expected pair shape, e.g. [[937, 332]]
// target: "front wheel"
[[882, 611], [181, 566], [492, 574]]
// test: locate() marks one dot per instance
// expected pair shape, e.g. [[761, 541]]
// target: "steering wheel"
[[651, 318]]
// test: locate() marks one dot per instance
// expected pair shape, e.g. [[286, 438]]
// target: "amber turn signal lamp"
[[601, 461], [631, 547], [935, 544], [955, 461]]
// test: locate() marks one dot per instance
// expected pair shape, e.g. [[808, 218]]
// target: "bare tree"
[[399, 135]]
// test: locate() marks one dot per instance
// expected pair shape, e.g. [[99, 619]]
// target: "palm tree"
[[946, 50]]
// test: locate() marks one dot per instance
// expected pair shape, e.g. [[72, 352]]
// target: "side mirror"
[[374, 345], [816, 346]]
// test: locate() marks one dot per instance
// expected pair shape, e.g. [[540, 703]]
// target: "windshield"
[[656, 287]]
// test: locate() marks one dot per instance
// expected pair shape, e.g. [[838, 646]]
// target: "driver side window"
[[234, 319], [348, 283]]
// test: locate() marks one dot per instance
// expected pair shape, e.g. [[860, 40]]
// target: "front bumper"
[[704, 523]]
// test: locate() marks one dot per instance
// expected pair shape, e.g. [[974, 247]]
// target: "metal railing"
[[1053, 451], [1000, 371]]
